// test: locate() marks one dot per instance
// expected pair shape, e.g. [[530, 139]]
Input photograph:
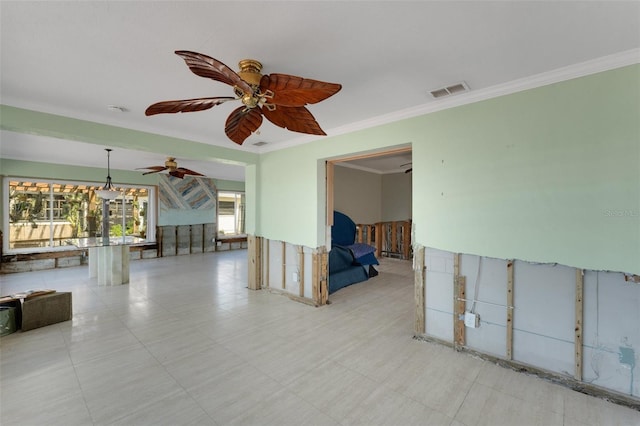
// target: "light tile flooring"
[[186, 343]]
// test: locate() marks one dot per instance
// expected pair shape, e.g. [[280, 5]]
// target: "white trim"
[[594, 66], [367, 169]]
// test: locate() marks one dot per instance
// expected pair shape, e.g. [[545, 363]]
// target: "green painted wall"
[[291, 200], [547, 175], [43, 124], [229, 185], [252, 188]]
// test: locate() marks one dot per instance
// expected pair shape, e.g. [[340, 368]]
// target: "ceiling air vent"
[[260, 143], [450, 90]]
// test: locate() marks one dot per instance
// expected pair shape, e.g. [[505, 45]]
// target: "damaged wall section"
[[545, 324]]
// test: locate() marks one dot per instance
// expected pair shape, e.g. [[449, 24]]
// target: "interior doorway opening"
[[369, 209]]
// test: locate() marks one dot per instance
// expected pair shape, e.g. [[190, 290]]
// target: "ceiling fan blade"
[[242, 122], [206, 66], [292, 91], [186, 105], [154, 169], [176, 173], [296, 119], [188, 172]]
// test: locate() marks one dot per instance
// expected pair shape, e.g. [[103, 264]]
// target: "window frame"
[[238, 195], [152, 214]]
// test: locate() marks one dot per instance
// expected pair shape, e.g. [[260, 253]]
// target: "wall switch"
[[295, 277], [471, 320]]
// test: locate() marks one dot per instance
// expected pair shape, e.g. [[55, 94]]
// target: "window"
[[46, 214], [231, 213]]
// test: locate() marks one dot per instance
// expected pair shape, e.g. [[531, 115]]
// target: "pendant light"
[[108, 192]]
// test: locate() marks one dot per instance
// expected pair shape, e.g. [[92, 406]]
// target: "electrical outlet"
[[471, 320]]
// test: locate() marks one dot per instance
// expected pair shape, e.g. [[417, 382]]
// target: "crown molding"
[[594, 66]]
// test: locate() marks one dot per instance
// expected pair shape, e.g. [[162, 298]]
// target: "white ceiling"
[[76, 58]]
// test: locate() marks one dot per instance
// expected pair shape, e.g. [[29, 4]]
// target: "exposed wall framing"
[[301, 271], [284, 269], [577, 327], [419, 294], [510, 309], [578, 331], [254, 253], [26, 262], [189, 239], [460, 292]]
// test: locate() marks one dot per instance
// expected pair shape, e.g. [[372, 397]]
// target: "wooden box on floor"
[[45, 310]]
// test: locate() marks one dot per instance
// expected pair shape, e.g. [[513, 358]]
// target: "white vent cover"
[[450, 90]]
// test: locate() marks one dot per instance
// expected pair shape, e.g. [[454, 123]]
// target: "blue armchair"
[[349, 262]]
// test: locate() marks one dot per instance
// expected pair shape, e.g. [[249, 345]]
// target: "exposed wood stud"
[[260, 262], [394, 237], [456, 273], [315, 277], [419, 291], [458, 312], [579, 318], [324, 274], [251, 242], [254, 262], [301, 270], [330, 178], [378, 239], [510, 309], [284, 265], [456, 265], [406, 239], [266, 263], [160, 240], [632, 278]]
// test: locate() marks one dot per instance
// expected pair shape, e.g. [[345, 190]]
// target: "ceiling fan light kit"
[[281, 98]]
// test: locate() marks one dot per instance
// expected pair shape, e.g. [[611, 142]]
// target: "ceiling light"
[[108, 192]]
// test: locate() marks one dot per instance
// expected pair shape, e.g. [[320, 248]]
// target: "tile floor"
[[186, 343]]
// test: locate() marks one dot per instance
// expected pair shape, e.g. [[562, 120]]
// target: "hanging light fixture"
[[108, 192]]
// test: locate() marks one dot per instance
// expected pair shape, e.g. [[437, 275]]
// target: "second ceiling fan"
[[172, 167], [281, 98]]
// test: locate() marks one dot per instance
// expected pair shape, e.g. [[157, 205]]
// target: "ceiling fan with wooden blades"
[[172, 168], [281, 98]]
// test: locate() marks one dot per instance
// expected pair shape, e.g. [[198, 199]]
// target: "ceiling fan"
[[172, 167], [281, 98]]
